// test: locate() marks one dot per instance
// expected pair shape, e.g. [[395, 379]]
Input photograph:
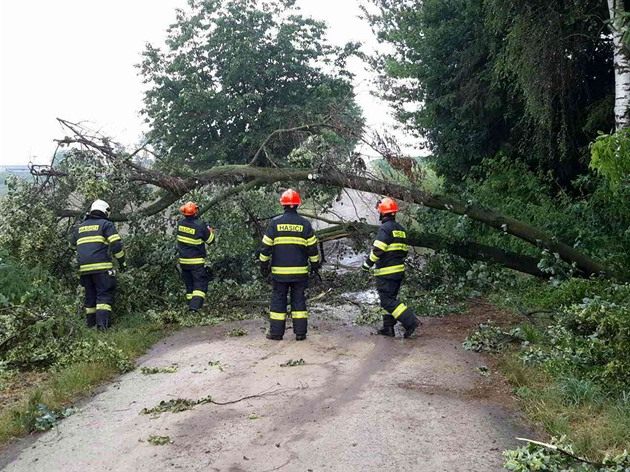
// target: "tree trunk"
[[466, 249], [241, 174], [621, 57]]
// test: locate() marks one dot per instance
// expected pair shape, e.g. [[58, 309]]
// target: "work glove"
[[122, 267], [315, 266], [365, 268], [265, 270]]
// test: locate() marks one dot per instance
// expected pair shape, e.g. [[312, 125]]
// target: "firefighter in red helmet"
[[289, 245], [388, 254], [192, 237]]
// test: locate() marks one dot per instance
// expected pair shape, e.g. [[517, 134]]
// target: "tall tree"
[[530, 78], [234, 71], [438, 78], [621, 56]]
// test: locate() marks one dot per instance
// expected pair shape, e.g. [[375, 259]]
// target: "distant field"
[[6, 171]]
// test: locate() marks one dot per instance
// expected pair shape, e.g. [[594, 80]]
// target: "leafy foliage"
[[490, 338], [475, 78], [232, 72], [293, 363], [536, 457], [610, 157], [175, 406]]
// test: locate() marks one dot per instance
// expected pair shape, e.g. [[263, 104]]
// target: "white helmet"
[[100, 205]]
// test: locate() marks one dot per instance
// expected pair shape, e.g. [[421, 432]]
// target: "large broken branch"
[[331, 176]]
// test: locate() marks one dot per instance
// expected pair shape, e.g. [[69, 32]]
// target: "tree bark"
[[621, 57]]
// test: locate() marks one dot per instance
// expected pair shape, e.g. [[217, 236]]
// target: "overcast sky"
[[75, 59]]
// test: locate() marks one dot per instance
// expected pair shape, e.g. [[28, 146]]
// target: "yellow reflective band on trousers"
[[312, 240], [399, 310], [90, 310], [380, 245], [191, 261], [114, 237], [397, 247], [274, 315], [187, 240], [314, 258], [103, 307], [198, 293], [267, 240], [289, 240], [120, 254], [373, 257], [91, 239], [99, 266], [189, 296], [390, 270], [264, 258], [299, 314], [289, 270]]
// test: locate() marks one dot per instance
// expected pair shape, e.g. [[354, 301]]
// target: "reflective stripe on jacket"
[[93, 239], [389, 250], [289, 244], [192, 237]]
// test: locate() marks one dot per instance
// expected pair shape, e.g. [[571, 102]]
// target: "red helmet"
[[387, 205], [189, 209], [290, 197]]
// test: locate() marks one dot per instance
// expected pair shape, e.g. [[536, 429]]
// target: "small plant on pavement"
[[237, 332], [293, 363], [216, 364], [158, 370], [159, 440]]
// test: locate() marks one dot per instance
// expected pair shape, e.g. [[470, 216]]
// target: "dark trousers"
[[196, 281], [278, 309], [99, 298], [388, 289]]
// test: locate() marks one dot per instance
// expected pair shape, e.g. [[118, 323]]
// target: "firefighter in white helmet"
[[94, 239]]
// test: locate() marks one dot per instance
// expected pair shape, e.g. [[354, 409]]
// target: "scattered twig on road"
[[264, 393], [182, 404]]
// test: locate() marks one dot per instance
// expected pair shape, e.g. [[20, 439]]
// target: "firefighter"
[[389, 253], [93, 239], [288, 246], [192, 237]]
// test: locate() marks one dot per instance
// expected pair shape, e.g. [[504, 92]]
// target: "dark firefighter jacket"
[[389, 250], [93, 238], [192, 237], [289, 243]]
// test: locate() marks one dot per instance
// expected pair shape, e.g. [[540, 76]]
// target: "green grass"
[[60, 388], [594, 423]]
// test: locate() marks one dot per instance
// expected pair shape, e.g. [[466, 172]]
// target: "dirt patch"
[[18, 387], [359, 402]]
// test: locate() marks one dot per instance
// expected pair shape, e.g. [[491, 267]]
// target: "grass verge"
[[57, 389], [593, 422]]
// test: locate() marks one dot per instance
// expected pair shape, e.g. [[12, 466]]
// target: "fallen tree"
[[237, 178]]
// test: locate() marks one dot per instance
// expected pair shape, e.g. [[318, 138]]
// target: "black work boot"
[[386, 331], [300, 337], [274, 337], [410, 322], [91, 320]]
